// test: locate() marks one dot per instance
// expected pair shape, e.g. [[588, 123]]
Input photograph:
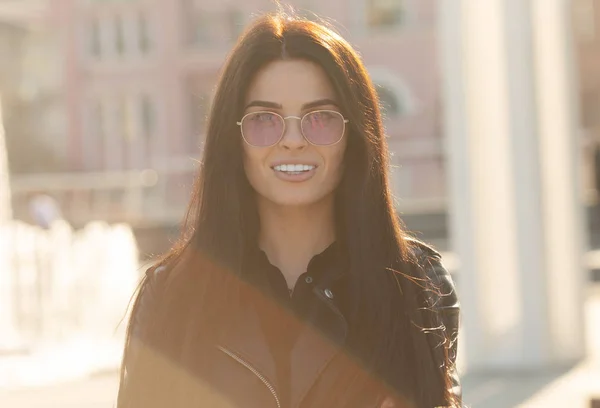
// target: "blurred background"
[[103, 105]]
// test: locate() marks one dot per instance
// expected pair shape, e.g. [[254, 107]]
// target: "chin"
[[295, 198], [294, 201]]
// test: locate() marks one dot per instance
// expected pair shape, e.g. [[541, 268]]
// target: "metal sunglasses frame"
[[283, 119]]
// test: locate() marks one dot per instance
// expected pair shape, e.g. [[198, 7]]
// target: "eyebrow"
[[309, 105]]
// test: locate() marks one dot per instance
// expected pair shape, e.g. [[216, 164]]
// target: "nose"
[[292, 137]]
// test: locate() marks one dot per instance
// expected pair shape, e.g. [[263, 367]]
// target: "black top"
[[328, 270], [282, 334]]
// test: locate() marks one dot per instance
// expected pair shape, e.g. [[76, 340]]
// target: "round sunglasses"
[[320, 127]]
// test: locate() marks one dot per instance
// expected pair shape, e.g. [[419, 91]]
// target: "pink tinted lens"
[[323, 127], [262, 128]]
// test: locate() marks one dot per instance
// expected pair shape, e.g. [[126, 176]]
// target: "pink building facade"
[[139, 75]]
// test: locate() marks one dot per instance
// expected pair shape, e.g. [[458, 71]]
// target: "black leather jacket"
[[241, 366]]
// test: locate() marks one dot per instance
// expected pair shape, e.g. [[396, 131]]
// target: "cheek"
[[336, 159], [253, 162], [249, 154]]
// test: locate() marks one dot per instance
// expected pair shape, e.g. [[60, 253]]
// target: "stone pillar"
[[516, 218], [8, 337], [558, 113], [5, 203]]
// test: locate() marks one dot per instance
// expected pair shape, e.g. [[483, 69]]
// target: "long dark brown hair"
[[203, 271]]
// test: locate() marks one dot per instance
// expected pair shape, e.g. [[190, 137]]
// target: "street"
[[94, 392], [562, 387]]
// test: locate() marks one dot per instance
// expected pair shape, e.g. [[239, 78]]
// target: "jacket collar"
[[316, 345], [332, 261]]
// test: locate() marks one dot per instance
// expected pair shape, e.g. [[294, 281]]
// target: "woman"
[[294, 284]]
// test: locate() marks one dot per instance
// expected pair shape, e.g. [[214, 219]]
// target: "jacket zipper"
[[254, 371]]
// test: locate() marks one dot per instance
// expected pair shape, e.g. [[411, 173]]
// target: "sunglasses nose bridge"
[[293, 117], [297, 135]]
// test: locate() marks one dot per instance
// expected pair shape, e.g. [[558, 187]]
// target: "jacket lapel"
[[246, 339], [317, 344]]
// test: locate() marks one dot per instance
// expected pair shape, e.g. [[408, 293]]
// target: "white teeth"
[[293, 167]]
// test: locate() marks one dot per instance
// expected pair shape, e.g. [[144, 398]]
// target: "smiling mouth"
[[293, 169]]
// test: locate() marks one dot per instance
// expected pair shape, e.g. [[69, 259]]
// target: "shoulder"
[[156, 273], [442, 298], [420, 249], [429, 260], [150, 289], [154, 277], [426, 257]]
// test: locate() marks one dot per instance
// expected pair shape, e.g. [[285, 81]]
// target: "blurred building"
[[140, 74], [586, 24], [586, 21], [31, 87], [117, 93]]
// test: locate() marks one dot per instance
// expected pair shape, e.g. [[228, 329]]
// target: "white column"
[[5, 203], [561, 168], [8, 337], [504, 149]]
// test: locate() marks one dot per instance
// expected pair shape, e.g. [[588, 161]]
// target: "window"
[[125, 138], [199, 106], [206, 28], [584, 19], [119, 36], [144, 42], [395, 97], [129, 119], [99, 120], [590, 108], [385, 13], [196, 24], [236, 23], [94, 144], [389, 102], [147, 116], [95, 39]]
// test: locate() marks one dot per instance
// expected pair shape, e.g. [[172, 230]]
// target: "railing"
[[137, 197]]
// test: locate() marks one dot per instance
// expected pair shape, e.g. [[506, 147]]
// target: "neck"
[[292, 235]]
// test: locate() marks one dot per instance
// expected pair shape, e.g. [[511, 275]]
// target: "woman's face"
[[293, 88]]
